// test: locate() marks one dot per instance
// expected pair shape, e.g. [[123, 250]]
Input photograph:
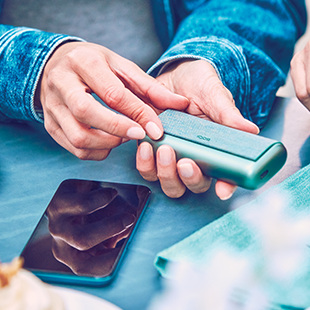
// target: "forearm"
[[23, 55], [249, 44]]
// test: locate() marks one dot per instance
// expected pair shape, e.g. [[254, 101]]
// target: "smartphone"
[[221, 152], [85, 231]]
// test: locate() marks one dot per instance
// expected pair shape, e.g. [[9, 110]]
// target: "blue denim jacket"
[[250, 44]]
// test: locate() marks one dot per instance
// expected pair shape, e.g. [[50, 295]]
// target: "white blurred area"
[[260, 276], [288, 89]]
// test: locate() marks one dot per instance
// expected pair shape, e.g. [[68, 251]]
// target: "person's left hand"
[[300, 68], [208, 98]]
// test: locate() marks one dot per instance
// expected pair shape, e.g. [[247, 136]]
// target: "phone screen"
[[84, 231]]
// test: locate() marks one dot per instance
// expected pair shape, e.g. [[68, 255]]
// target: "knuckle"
[[84, 154], [74, 55], [168, 179], [147, 175], [162, 176], [104, 155], [88, 57], [152, 178], [294, 60], [225, 113], [114, 95], [202, 187], [173, 192], [139, 114], [48, 125], [153, 88], [303, 97], [115, 123], [218, 89], [303, 93], [79, 140], [53, 130], [53, 77], [77, 55], [79, 108]]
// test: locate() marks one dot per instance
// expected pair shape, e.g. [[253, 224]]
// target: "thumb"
[[232, 117], [226, 113]]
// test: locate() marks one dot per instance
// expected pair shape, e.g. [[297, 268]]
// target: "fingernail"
[[226, 197], [145, 151], [153, 130], [186, 170], [135, 133], [253, 124], [165, 156], [229, 195]]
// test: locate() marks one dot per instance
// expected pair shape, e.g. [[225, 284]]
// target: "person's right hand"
[[81, 124], [208, 98], [300, 73]]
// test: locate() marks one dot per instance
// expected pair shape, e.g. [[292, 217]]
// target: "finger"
[[300, 79], [224, 190], [192, 176], [232, 117], [113, 92], [170, 182], [148, 88], [67, 84], [80, 135], [209, 96], [225, 112], [212, 97], [60, 137], [89, 111], [145, 162]]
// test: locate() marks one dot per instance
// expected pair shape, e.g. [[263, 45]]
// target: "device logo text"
[[201, 137]]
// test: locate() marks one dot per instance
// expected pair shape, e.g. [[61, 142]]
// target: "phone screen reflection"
[[85, 228]]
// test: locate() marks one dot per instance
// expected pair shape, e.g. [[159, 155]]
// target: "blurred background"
[[124, 26]]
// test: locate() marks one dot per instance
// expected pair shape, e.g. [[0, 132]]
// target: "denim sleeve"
[[249, 43], [23, 54]]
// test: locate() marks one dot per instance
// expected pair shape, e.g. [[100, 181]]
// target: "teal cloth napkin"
[[232, 232]]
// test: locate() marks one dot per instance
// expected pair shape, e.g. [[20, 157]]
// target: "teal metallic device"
[[223, 153]]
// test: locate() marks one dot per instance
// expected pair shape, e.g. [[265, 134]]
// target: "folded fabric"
[[233, 233]]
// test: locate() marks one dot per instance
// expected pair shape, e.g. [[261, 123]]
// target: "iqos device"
[[224, 153]]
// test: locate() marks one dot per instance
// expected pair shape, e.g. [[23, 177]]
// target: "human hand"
[[80, 123], [208, 98], [300, 73]]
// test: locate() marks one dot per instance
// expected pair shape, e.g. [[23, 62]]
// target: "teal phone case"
[[78, 206], [224, 153]]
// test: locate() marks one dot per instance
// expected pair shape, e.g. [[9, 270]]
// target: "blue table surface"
[[32, 166]]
